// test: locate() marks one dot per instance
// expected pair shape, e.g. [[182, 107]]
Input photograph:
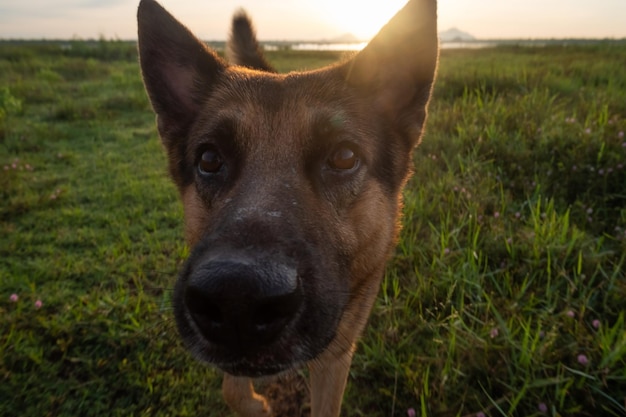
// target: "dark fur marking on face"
[[221, 139]]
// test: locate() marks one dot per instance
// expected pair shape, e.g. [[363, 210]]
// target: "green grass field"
[[506, 295]]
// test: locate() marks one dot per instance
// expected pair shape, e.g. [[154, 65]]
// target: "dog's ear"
[[396, 70], [243, 47], [178, 69]]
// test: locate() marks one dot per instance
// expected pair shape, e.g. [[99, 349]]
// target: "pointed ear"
[[242, 47], [397, 68], [178, 69]]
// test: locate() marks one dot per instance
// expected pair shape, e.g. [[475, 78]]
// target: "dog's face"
[[290, 186]]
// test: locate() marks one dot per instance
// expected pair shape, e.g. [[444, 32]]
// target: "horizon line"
[[336, 40]]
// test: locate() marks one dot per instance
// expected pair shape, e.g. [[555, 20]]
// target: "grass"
[[505, 295]]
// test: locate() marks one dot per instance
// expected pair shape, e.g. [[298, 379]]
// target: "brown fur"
[[295, 213]]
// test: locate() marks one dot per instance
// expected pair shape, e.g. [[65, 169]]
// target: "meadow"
[[505, 297]]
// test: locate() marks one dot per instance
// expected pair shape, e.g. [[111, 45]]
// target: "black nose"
[[242, 304]]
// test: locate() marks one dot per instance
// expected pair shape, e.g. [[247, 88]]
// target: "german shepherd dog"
[[291, 187]]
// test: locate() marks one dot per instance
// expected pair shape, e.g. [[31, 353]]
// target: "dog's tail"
[[243, 47]]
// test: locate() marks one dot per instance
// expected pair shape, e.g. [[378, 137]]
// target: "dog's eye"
[[210, 161], [343, 158]]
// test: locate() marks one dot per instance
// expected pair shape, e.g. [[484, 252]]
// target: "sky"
[[315, 19]]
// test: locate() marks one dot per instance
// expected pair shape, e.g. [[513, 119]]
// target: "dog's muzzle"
[[241, 303], [255, 303]]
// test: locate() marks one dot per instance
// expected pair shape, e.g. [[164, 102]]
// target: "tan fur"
[[240, 396], [196, 216]]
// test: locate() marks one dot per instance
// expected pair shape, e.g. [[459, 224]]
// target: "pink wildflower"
[[410, 412], [38, 304], [14, 298], [582, 359]]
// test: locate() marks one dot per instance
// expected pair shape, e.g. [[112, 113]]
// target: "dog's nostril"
[[266, 318], [210, 314], [202, 307], [270, 313]]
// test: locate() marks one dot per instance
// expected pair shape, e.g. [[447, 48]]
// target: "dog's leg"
[[240, 396], [329, 374]]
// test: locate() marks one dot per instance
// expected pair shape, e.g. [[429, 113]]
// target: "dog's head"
[[290, 184]]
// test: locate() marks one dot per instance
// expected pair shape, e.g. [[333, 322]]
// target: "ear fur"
[[243, 47], [397, 68], [177, 68]]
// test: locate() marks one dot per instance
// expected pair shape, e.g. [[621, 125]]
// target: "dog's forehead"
[[277, 108]]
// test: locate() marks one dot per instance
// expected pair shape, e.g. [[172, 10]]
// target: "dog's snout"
[[242, 304]]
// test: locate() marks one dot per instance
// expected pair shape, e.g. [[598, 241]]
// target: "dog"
[[291, 188]]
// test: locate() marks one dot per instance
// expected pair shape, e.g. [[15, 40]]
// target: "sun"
[[362, 19]]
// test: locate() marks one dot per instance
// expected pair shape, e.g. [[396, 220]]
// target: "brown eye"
[[210, 161], [343, 158]]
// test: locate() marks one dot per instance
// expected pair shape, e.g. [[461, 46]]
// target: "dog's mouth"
[[253, 370], [259, 364]]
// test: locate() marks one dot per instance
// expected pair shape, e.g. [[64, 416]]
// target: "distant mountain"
[[455, 35], [345, 38]]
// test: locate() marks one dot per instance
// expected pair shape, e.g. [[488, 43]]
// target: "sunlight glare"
[[362, 19]]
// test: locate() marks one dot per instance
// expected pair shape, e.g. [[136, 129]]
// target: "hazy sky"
[[316, 19]]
